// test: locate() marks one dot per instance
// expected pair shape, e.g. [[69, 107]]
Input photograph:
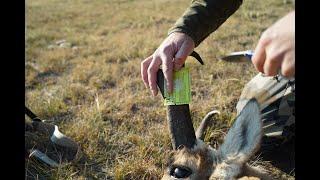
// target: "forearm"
[[203, 17]]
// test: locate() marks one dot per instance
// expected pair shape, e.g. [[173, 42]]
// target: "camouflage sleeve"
[[203, 17]]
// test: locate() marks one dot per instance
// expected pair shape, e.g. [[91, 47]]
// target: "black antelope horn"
[[179, 117], [179, 120], [180, 126]]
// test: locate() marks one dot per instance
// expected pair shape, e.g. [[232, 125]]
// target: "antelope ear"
[[243, 139]]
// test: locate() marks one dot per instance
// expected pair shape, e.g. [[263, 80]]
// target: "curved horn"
[[204, 124], [180, 126], [179, 120]]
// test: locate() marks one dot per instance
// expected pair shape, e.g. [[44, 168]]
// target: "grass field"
[[90, 85]]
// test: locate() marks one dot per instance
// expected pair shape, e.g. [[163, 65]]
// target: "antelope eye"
[[180, 172]]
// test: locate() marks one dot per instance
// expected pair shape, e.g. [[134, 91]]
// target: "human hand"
[[171, 54], [276, 48]]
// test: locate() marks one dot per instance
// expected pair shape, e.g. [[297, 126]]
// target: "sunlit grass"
[[91, 87]]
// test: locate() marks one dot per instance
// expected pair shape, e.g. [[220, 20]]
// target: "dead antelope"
[[193, 159]]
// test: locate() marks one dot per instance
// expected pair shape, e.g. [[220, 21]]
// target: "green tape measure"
[[181, 88]]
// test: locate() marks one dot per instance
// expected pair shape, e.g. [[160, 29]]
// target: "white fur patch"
[[226, 171]]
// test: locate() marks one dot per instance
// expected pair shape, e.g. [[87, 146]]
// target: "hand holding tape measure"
[[181, 93]]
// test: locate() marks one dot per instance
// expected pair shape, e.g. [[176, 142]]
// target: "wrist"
[[183, 32]]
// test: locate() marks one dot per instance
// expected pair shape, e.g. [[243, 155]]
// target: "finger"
[[167, 67], [144, 70], [182, 54], [273, 62], [178, 63], [259, 56], [288, 66], [152, 74]]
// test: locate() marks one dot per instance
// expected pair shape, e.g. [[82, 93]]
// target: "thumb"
[[182, 54]]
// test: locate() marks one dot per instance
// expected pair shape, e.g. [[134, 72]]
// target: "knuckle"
[[143, 66], [273, 57], [144, 63], [156, 57], [166, 49], [265, 38], [152, 69], [265, 41]]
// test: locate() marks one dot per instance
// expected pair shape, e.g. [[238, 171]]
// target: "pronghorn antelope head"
[[193, 159]]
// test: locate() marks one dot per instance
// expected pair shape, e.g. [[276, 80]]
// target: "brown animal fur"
[[229, 162]]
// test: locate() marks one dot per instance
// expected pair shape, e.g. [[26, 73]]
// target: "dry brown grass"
[[92, 88]]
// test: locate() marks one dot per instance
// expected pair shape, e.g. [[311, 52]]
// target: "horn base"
[[180, 126]]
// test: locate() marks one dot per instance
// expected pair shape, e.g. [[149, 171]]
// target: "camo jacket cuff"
[[203, 17]]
